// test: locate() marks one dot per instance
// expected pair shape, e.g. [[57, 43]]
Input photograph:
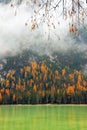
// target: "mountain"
[[32, 78], [75, 60]]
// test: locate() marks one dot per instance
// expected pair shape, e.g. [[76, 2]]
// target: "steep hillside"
[[59, 60], [32, 78]]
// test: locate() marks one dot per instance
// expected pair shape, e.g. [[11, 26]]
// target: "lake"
[[43, 117]]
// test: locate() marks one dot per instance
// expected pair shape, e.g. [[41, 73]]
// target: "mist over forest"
[[15, 36]]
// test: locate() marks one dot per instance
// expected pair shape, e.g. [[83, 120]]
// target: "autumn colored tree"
[[39, 83]]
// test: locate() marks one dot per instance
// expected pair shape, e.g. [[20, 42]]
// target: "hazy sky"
[[15, 36]]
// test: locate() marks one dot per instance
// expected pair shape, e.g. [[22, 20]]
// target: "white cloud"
[[15, 36]]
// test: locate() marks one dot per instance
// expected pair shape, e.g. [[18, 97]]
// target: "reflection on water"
[[51, 117]]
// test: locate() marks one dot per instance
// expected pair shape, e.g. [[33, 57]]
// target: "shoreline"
[[43, 104]]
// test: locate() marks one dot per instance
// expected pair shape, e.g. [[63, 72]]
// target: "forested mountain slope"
[[32, 78]]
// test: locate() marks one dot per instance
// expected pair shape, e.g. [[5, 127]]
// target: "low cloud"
[[15, 36]]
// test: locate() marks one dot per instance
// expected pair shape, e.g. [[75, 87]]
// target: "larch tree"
[[50, 12]]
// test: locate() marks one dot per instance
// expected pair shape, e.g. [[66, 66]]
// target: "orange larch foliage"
[[31, 82], [17, 86], [44, 68], [70, 90], [34, 65], [45, 77], [19, 81], [79, 86], [44, 81], [27, 68], [35, 88], [0, 97], [58, 91], [34, 73], [84, 89], [79, 77], [84, 83], [71, 76], [7, 83], [73, 29], [63, 71], [37, 78], [2, 90]]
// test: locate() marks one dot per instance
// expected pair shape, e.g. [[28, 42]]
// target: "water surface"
[[43, 117]]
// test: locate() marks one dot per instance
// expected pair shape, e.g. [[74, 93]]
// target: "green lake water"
[[43, 117]]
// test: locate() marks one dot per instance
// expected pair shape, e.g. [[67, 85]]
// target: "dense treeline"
[[39, 83]]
